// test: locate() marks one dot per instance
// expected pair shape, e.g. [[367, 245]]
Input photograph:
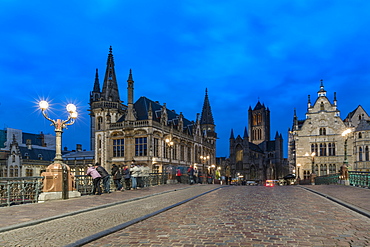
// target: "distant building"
[[78, 159], [254, 156], [145, 131], [25, 154], [316, 144]]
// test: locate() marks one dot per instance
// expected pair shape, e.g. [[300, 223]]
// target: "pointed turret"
[[322, 91], [207, 117], [245, 136], [207, 123], [130, 114], [110, 86], [232, 134]]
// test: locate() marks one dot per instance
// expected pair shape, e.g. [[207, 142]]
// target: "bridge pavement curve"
[[249, 216]]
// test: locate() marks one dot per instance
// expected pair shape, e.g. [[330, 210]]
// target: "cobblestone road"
[[249, 216], [69, 229]]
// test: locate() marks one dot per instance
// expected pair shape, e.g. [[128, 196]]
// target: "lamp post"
[[344, 134], [59, 126], [344, 168], [170, 144], [204, 160], [313, 175], [298, 166]]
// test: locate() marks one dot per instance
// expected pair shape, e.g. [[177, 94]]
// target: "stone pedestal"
[[53, 183]]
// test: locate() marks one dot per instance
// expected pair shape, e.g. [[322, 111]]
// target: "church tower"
[[259, 124], [105, 105], [207, 123]]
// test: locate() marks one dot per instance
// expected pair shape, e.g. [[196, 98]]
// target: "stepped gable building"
[[144, 131], [25, 154], [316, 144], [254, 156]]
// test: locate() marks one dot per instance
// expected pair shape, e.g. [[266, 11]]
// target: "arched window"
[[360, 153], [367, 153], [322, 106], [322, 149], [359, 135], [322, 131]]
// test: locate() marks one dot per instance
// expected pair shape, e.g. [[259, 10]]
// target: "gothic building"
[[318, 144], [254, 156], [144, 131]]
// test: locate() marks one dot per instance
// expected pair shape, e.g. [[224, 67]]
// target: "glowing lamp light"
[[74, 115], [347, 131], [43, 105], [71, 108]]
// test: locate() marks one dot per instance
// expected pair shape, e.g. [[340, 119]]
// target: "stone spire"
[[110, 87], [206, 118]]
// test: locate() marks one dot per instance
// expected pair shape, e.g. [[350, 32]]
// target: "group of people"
[[124, 178], [196, 176]]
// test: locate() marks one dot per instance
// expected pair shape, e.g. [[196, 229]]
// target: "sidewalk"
[[23, 214], [356, 196]]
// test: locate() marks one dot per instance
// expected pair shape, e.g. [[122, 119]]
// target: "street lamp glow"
[[347, 131], [71, 108], [74, 115], [43, 105]]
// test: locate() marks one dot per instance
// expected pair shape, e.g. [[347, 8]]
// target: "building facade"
[[317, 145], [145, 131], [25, 154], [254, 156]]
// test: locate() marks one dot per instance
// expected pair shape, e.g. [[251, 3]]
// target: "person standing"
[[178, 175], [127, 177], [134, 174], [139, 178], [96, 177], [191, 174], [117, 176], [105, 177], [145, 170]]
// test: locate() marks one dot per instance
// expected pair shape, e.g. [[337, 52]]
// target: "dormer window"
[[26, 156], [40, 156]]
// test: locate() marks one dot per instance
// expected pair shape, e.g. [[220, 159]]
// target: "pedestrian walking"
[[127, 177], [195, 175], [145, 171], [178, 175], [104, 176], [96, 177], [134, 174], [117, 176]]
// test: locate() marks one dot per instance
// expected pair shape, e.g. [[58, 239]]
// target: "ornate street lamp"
[[170, 144], [58, 160], [204, 160], [344, 134]]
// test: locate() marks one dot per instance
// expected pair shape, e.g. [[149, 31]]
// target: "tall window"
[[156, 147], [322, 149], [189, 154], [367, 153], [118, 147], [360, 153], [331, 149], [182, 152], [100, 122], [141, 146]]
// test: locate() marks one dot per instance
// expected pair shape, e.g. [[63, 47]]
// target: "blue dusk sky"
[[242, 51]]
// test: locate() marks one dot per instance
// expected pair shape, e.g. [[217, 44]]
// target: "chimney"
[[29, 144], [78, 147]]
